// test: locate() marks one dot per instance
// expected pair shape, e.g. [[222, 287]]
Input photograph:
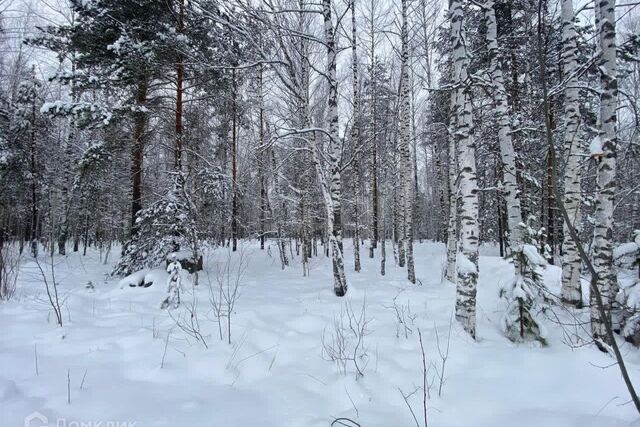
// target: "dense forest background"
[[156, 126]]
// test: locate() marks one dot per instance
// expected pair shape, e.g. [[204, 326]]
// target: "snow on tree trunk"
[[605, 175], [467, 257], [174, 268], [571, 292]]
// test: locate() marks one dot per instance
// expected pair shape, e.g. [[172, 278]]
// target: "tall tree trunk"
[[551, 217], [34, 181], [67, 191], [452, 229], [355, 135], [405, 208], [334, 219], [137, 153], [571, 265], [356, 217], [66, 195], [261, 163], [302, 96], [234, 161], [383, 236], [606, 172], [374, 142], [467, 258], [179, 92], [507, 153]]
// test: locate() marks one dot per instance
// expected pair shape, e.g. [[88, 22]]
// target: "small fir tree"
[[524, 292]]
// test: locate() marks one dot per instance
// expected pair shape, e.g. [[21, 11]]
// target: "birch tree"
[[373, 135], [355, 134], [334, 218], [452, 227], [405, 199], [467, 201], [507, 153], [604, 151], [571, 264]]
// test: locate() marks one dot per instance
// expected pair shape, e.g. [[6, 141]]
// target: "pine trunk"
[[137, 154]]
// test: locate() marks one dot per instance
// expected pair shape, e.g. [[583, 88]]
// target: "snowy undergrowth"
[[128, 361]]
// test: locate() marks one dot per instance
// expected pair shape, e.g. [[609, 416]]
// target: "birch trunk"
[[467, 258], [405, 165], [452, 229], [234, 161], [507, 153], [383, 235], [355, 135], [302, 97], [333, 202], [261, 163], [374, 143], [356, 219], [606, 172], [571, 265]]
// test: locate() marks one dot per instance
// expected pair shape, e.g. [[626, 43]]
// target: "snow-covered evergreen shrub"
[[629, 299], [173, 284], [524, 292], [162, 228], [627, 256]]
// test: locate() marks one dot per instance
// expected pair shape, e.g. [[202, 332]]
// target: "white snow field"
[[275, 373]]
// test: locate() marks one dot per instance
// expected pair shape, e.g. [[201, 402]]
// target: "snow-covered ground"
[[275, 372]]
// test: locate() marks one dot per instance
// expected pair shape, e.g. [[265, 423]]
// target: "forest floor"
[[119, 358]]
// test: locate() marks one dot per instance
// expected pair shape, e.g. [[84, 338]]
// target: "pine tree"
[[524, 292]]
